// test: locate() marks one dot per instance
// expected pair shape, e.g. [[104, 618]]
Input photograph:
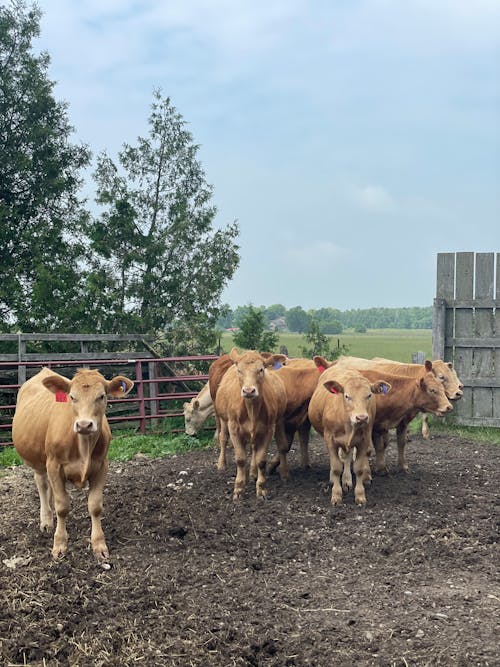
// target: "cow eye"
[[101, 397], [369, 396], [441, 377], [347, 397]]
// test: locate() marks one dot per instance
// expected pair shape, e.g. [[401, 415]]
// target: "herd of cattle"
[[60, 427]]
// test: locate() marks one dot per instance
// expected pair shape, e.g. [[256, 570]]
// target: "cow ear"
[[428, 365], [119, 386], [274, 361], [234, 355], [381, 387], [55, 383], [333, 386], [196, 404], [185, 405], [450, 365], [321, 362]]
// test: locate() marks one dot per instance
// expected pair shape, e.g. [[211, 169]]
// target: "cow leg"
[[304, 431], [223, 434], [260, 452], [362, 472], [401, 434], [46, 502], [335, 469], [425, 426], [283, 448], [275, 461], [380, 447], [96, 488], [240, 458], [62, 504], [346, 473]]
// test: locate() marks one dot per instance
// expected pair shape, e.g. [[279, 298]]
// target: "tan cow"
[[198, 410], [61, 431], [216, 372], [250, 404], [409, 396], [342, 410], [443, 370]]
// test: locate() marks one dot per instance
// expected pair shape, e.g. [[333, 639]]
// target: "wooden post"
[[21, 354], [153, 393], [438, 328]]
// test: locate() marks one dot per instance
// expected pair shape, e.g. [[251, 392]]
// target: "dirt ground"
[[196, 579]]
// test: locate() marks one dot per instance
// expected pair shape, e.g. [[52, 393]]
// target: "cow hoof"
[[58, 553], [361, 502], [382, 470], [101, 554], [337, 502], [47, 527]]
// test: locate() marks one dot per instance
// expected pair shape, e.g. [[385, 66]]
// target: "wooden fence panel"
[[466, 329]]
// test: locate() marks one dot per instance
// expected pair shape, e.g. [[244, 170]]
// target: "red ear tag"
[[61, 397], [333, 390], [321, 369]]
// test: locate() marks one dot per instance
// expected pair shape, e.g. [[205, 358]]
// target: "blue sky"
[[353, 140]]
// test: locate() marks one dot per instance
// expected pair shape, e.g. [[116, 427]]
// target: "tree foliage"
[[158, 261], [316, 342], [40, 212], [252, 334]]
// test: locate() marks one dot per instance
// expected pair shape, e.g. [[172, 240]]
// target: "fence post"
[[140, 396], [21, 351], [438, 328], [153, 393]]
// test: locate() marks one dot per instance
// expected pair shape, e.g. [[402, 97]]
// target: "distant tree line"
[[330, 320]]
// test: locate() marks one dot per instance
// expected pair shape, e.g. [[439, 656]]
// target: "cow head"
[[432, 396], [357, 393], [250, 370], [445, 373], [193, 418], [87, 393]]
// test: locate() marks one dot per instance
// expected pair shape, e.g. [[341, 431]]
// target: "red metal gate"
[[156, 396]]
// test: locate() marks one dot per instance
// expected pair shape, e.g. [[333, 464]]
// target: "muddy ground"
[[196, 579]]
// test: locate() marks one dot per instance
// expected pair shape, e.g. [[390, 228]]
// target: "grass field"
[[397, 344]]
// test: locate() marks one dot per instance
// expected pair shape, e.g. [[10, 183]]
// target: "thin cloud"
[[374, 198]]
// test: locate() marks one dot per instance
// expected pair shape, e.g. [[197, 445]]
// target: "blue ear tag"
[[123, 385], [277, 365], [384, 389]]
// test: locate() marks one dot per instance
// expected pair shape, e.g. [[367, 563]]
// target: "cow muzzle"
[[360, 419], [249, 392], [85, 427]]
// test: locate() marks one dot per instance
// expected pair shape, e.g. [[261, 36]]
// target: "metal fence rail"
[[156, 396]]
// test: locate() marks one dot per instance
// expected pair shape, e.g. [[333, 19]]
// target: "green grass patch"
[[397, 344], [126, 447]]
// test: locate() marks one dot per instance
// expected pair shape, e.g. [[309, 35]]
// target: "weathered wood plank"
[[438, 328], [445, 276], [464, 327]]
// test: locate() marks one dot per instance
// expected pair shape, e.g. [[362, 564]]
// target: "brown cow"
[[250, 404], [409, 396], [300, 377], [61, 431], [443, 370], [216, 372], [342, 410], [451, 390]]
